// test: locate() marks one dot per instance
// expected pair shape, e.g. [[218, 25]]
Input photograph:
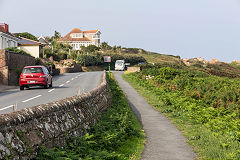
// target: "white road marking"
[[72, 79], [61, 85], [51, 90], [67, 81], [6, 107], [31, 98]]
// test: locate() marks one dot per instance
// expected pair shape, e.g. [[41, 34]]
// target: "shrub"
[[17, 51], [206, 100]]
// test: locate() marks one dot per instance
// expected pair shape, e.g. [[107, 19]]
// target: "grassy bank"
[[204, 107], [117, 136]]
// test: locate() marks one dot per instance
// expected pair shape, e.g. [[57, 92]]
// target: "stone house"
[[77, 38], [30, 46], [6, 38]]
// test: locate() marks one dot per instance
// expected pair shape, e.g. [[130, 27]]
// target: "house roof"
[[27, 42], [92, 31], [2, 30], [69, 38], [76, 30]]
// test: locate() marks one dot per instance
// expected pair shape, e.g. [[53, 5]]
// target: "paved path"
[[164, 141]]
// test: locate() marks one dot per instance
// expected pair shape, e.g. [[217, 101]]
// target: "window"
[[32, 70], [76, 35]]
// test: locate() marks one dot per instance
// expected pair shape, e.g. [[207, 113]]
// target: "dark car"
[[35, 76]]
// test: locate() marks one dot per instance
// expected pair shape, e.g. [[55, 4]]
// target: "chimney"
[[4, 26]]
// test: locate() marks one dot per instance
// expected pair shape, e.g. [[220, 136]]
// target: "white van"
[[119, 65]]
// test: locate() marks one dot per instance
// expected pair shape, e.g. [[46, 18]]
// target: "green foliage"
[[117, 130], [49, 65], [105, 46], [235, 64], [134, 50], [56, 35], [89, 60], [89, 49], [97, 59], [27, 35], [197, 98], [58, 50], [17, 51]]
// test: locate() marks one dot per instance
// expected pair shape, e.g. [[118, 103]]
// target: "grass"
[[160, 58], [205, 144], [117, 136]]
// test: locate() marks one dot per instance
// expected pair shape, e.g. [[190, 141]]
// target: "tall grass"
[[204, 107]]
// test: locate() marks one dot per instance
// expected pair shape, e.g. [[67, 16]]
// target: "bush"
[[97, 59], [205, 100], [89, 60], [17, 51]]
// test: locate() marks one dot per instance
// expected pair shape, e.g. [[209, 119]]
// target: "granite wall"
[[11, 65], [22, 132]]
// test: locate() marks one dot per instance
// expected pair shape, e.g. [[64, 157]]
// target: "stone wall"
[[22, 132], [10, 66], [75, 68]]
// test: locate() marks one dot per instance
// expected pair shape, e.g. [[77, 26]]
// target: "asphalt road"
[[164, 140], [65, 85]]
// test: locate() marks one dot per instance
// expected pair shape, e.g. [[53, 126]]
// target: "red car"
[[35, 76]]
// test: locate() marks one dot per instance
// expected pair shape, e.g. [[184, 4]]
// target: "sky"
[[187, 28]]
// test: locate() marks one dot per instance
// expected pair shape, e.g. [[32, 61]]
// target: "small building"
[[6, 38], [44, 42], [77, 38], [30, 46]]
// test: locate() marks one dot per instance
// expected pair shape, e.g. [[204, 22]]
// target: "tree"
[[27, 35], [56, 35], [91, 48], [105, 46]]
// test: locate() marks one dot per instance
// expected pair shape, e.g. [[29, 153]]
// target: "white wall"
[[32, 50]]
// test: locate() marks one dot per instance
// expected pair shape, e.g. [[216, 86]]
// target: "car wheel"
[[21, 88], [50, 84], [46, 86]]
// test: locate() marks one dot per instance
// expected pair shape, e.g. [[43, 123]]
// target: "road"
[[65, 85]]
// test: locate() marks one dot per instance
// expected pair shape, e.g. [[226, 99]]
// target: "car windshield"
[[32, 70], [119, 63]]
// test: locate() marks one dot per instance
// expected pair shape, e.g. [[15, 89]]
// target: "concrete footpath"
[[164, 140]]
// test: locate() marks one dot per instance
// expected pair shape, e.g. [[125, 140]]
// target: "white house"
[[6, 38], [77, 38], [30, 46]]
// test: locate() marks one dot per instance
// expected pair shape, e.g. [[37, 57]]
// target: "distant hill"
[[213, 67]]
